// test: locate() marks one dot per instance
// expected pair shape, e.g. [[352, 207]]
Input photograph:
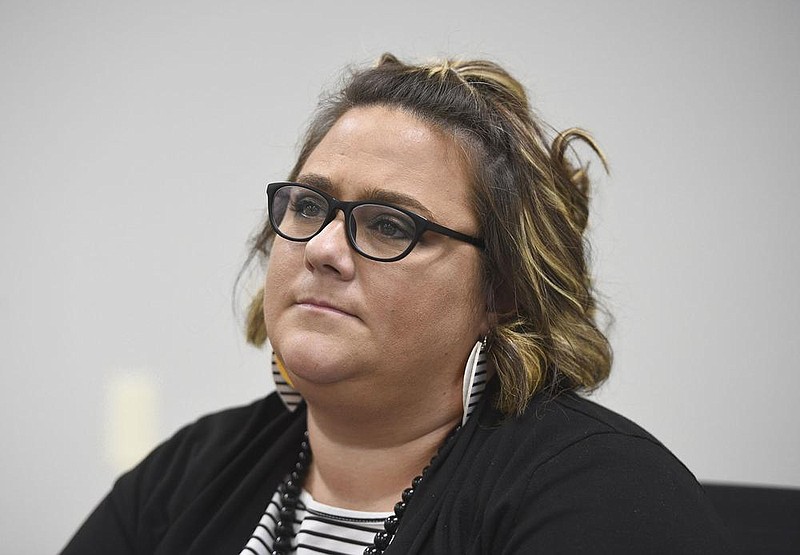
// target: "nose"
[[329, 251]]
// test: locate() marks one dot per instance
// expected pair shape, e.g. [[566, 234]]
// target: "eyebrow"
[[373, 193]]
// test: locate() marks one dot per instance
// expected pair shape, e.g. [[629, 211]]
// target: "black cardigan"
[[567, 476]]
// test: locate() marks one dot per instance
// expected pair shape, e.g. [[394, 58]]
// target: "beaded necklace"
[[290, 492]]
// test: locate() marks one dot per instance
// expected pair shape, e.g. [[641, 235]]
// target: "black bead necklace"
[[289, 493]]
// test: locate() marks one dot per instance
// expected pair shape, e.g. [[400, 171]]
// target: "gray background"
[[136, 138]]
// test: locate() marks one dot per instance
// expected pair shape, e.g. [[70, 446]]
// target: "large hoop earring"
[[283, 385], [475, 378]]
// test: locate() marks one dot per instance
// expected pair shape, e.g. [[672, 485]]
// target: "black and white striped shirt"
[[318, 529]]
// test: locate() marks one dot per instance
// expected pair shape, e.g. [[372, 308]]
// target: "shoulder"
[[570, 426], [572, 442], [196, 454], [180, 488], [214, 434], [172, 496], [571, 416], [593, 452], [570, 464]]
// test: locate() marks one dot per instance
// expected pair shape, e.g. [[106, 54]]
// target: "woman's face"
[[359, 329]]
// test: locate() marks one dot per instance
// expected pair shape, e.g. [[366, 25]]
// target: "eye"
[[308, 206], [389, 226]]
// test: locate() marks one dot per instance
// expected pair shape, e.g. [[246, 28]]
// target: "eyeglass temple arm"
[[454, 234]]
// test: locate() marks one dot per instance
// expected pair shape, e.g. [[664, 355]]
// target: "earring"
[[475, 378], [283, 385]]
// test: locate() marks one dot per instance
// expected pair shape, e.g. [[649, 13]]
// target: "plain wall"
[[136, 139]]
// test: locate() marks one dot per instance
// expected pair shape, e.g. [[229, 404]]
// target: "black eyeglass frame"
[[421, 225]]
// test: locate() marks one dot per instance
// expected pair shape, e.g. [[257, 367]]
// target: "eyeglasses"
[[375, 230]]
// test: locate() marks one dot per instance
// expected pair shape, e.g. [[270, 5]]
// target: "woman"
[[431, 316]]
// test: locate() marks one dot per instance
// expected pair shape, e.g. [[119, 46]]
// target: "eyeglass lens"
[[376, 230]]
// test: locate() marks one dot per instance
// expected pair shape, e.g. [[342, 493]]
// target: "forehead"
[[379, 148]]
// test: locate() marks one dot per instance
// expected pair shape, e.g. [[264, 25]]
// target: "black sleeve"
[[615, 493], [115, 524], [109, 529], [201, 491]]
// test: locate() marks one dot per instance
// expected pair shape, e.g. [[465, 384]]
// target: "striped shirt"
[[318, 529]]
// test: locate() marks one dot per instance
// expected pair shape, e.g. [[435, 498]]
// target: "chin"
[[314, 359]]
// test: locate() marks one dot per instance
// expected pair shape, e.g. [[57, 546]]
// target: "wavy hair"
[[532, 206]]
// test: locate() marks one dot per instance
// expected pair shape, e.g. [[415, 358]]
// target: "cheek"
[[432, 305], [282, 261]]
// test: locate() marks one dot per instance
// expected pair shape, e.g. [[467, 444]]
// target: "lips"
[[323, 305]]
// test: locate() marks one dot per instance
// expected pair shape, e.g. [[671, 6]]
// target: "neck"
[[364, 462]]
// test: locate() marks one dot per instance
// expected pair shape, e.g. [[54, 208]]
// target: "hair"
[[532, 207]]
